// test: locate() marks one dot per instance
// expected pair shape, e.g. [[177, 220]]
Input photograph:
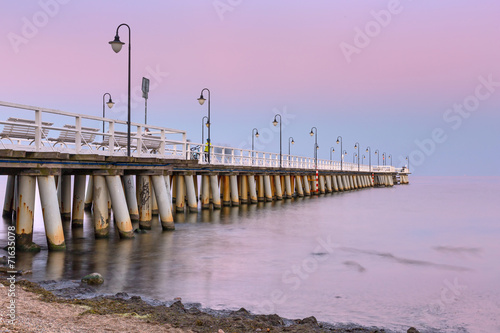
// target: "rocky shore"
[[40, 310]]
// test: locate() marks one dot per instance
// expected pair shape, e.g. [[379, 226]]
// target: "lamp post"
[[116, 44], [314, 131], [369, 151], [290, 141], [356, 145], [363, 160], [341, 157], [332, 150], [390, 157], [408, 159], [383, 158], [110, 104], [203, 124], [354, 155], [275, 122], [378, 157], [255, 132], [202, 100]]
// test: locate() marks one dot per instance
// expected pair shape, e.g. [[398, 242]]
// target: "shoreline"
[[171, 316]]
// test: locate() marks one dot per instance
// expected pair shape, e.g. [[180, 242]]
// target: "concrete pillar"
[[9, 197], [298, 186], [233, 182], [100, 204], [335, 184], [180, 196], [252, 189], [205, 192], [391, 182], [169, 192], [131, 197], [163, 199], [78, 201], [267, 188], [65, 197], [339, 182], [307, 188], [51, 214], [195, 181], [88, 195], [154, 204], [25, 215], [244, 189], [277, 186], [328, 179], [288, 187], [261, 192], [144, 201], [226, 191], [214, 186], [322, 184], [119, 204], [191, 194], [174, 188]]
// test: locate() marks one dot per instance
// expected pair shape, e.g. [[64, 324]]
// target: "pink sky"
[[259, 58]]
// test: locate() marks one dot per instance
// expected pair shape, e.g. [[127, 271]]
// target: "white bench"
[[22, 129], [88, 135]]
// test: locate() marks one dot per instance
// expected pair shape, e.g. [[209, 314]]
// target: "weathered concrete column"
[[89, 193], [226, 191], [335, 184], [391, 182], [277, 186], [340, 186], [119, 204], [191, 194], [267, 188], [180, 197], [154, 204], [355, 182], [144, 201], [244, 189], [9, 196], [51, 214], [169, 192], [261, 191], [252, 189], [307, 188], [351, 182], [78, 201], [100, 204], [298, 186], [328, 179], [26, 214], [163, 199], [288, 187], [233, 181], [214, 186], [131, 197], [65, 197], [322, 184], [174, 189], [205, 192]]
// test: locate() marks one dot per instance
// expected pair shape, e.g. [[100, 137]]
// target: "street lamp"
[[110, 104], [332, 150], [202, 100], [383, 158], [341, 157], [354, 155], [275, 122], [292, 142], [363, 160], [356, 145], [378, 157], [369, 150], [315, 133], [390, 157], [255, 132], [116, 45], [204, 123], [408, 159]]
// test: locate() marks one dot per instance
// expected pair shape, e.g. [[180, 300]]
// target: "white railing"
[[41, 129]]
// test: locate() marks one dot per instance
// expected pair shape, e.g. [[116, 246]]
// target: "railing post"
[[78, 134], [184, 142], [139, 140], [111, 138], [162, 143], [38, 131]]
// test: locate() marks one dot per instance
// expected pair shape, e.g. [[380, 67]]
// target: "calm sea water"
[[423, 255]]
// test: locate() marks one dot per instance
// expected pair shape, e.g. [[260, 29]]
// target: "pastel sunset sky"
[[391, 75]]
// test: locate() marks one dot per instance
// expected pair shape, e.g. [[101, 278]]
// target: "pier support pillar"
[[322, 184], [154, 204], [244, 189], [328, 179], [131, 197], [8, 202], [65, 197], [252, 189], [163, 199], [214, 186], [233, 182], [335, 185], [288, 187], [307, 188], [267, 188], [100, 204], [51, 214], [180, 195], [78, 201], [339, 183], [226, 191], [277, 186], [261, 193], [205, 192], [26, 214], [89, 194], [119, 204], [191, 194], [298, 186], [144, 202]]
